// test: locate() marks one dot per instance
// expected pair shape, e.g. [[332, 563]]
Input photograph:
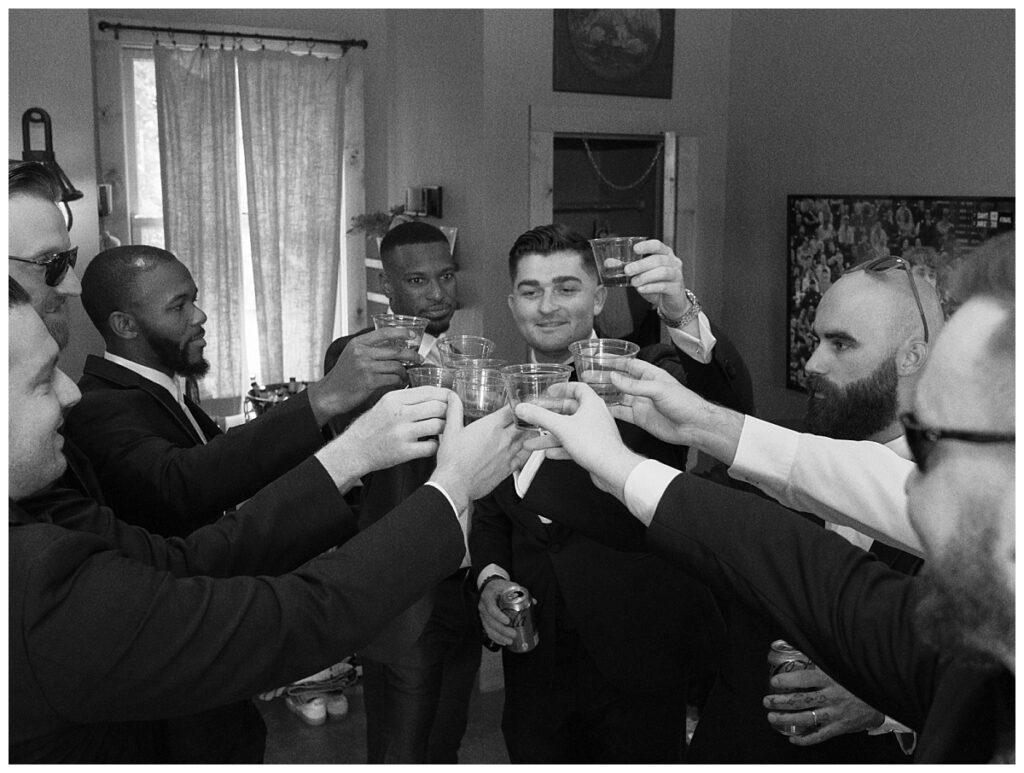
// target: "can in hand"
[[783, 658], [515, 602]]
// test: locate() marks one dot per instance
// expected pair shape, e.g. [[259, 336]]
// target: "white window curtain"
[[195, 92], [293, 130]]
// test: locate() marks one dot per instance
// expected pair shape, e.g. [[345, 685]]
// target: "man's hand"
[[403, 425], [656, 402], [836, 709], [588, 435], [658, 277], [495, 622], [369, 363], [473, 459]]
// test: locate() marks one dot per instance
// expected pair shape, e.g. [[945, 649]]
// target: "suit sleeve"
[[161, 645], [292, 520], [490, 536], [141, 469], [849, 612]]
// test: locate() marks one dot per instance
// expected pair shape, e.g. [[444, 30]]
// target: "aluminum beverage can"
[[515, 602], [783, 658]]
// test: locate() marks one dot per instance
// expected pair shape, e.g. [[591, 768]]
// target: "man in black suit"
[[873, 330], [162, 462], [936, 652], [609, 679], [114, 629], [418, 675]]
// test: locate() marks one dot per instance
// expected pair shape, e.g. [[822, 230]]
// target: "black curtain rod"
[[345, 44]]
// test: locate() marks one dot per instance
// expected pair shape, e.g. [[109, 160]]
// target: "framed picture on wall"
[[827, 234], [614, 51]]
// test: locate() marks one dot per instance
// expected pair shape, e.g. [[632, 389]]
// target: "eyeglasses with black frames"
[[922, 439], [56, 264], [880, 265]]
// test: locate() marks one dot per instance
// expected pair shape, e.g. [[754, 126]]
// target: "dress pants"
[[416, 709], [584, 719]]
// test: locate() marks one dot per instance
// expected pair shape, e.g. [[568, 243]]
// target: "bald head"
[[111, 280], [887, 298]]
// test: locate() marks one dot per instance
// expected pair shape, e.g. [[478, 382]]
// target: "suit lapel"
[[120, 376]]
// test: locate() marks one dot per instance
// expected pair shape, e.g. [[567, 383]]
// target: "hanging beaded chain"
[[609, 183]]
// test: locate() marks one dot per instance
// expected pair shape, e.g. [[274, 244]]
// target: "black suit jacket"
[[154, 469], [848, 612], [614, 600], [383, 490], [112, 628]]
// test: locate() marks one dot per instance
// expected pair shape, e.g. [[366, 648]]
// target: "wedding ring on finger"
[[814, 716]]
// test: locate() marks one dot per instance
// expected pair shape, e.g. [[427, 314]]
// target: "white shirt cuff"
[[462, 518], [697, 347], [645, 486], [489, 570], [765, 453]]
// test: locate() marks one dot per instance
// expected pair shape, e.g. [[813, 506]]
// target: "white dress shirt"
[[857, 483]]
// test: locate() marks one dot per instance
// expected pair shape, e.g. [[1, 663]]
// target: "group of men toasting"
[[656, 591]]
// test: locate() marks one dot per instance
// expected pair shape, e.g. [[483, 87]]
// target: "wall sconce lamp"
[[31, 121]]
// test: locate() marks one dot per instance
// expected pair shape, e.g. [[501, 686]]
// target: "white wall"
[[916, 102], [49, 66]]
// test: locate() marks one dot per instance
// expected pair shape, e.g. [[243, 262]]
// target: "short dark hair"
[[412, 232], [109, 279], [548, 239], [31, 178], [16, 294]]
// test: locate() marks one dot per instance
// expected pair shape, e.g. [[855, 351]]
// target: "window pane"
[[148, 198]]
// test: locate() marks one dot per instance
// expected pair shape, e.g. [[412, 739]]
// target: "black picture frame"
[[827, 234], [628, 52]]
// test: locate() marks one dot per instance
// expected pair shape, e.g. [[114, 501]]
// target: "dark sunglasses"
[[880, 265], [922, 439], [56, 264]]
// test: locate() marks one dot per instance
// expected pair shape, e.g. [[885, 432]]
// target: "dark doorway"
[[611, 185]]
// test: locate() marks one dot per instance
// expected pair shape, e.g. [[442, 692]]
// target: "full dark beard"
[[174, 356], [857, 411], [963, 603]]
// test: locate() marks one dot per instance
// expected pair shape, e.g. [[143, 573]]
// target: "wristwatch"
[[688, 317]]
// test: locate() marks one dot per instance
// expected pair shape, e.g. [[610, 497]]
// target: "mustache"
[[822, 385]]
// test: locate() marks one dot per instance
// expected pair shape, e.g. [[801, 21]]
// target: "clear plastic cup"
[[611, 254], [597, 358], [531, 383], [482, 392], [431, 375], [457, 349], [416, 325], [482, 363]]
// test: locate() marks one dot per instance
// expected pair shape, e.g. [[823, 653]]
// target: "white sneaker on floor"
[[337, 704], [311, 709]]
